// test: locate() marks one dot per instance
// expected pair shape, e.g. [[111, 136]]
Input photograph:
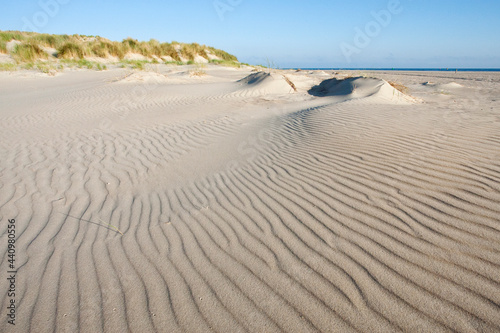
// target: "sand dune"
[[236, 203], [361, 88]]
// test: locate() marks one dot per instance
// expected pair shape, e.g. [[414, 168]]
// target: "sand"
[[243, 201]]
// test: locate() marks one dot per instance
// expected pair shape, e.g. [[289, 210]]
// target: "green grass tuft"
[[27, 52], [199, 70], [134, 64], [7, 36], [3, 46], [9, 67], [227, 63], [71, 50], [222, 54], [105, 49]]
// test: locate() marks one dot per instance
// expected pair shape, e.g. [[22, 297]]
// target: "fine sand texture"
[[179, 199]]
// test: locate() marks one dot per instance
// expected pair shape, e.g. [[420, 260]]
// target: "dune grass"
[[7, 67], [227, 63], [222, 54], [104, 49], [71, 50], [27, 52], [36, 46], [7, 36], [198, 70], [83, 63], [3, 46], [134, 64]]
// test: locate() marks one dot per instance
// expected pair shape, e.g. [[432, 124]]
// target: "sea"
[[407, 69]]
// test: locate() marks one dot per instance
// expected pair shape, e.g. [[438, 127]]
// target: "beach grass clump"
[[7, 36], [130, 44], [153, 47], [45, 40], [168, 50], [104, 49], [134, 64], [177, 63], [188, 52], [7, 67], [134, 46], [47, 67], [28, 65], [198, 70], [72, 50], [82, 63], [54, 41], [26, 52], [222, 54], [227, 63]]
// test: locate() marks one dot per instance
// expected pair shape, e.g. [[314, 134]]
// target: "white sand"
[[248, 205]]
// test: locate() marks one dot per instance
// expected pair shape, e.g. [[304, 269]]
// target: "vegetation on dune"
[[168, 50], [198, 70], [29, 51], [227, 63], [35, 46], [7, 67], [83, 63], [222, 54], [188, 52], [54, 41], [134, 64], [104, 49], [72, 50]]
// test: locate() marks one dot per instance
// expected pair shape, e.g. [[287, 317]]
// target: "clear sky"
[[291, 33]]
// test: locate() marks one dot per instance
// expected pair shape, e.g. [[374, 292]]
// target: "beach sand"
[[243, 201]]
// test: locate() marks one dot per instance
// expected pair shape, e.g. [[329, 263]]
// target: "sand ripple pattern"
[[333, 218]]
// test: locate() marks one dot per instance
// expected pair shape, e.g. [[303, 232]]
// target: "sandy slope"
[[249, 204]]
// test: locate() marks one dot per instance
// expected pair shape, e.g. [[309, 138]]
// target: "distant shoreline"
[[405, 69]]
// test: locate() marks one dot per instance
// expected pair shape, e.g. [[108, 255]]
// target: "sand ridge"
[[234, 203]]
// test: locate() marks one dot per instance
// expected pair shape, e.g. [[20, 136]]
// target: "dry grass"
[[198, 70], [9, 67], [72, 50], [227, 63], [399, 86], [3, 46], [290, 83], [168, 50], [104, 49], [79, 47], [27, 52], [222, 54]]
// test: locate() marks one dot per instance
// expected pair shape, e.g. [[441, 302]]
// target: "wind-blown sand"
[[249, 201]]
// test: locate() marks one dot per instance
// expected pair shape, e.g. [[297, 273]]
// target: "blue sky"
[[292, 33]]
